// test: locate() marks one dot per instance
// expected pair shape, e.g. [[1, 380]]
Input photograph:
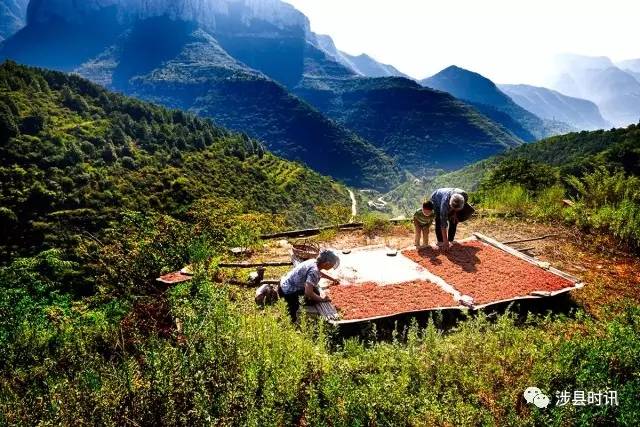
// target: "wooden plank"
[[505, 248], [311, 231], [255, 264], [529, 240], [306, 232]]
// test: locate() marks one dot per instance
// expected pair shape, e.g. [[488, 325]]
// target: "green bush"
[[232, 365], [533, 176], [548, 205], [506, 199], [603, 187], [374, 223], [608, 202], [333, 214]]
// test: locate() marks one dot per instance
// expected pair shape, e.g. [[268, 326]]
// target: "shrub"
[[334, 213], [533, 176], [34, 124], [609, 202], [506, 199], [8, 125], [375, 224], [549, 203], [129, 163], [603, 187]]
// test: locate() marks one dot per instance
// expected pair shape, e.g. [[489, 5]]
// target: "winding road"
[[354, 206]]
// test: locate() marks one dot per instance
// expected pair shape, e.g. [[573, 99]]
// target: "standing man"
[[422, 220], [447, 202], [304, 280]]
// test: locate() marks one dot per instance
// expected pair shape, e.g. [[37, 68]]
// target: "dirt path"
[[354, 206]]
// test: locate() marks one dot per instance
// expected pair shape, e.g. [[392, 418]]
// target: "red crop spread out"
[[485, 273], [362, 301]]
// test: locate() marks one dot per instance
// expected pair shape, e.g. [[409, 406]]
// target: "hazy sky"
[[509, 41]]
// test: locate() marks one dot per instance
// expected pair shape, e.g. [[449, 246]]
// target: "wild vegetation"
[[101, 193]]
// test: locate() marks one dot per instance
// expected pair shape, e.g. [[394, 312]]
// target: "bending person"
[[447, 202], [304, 280]]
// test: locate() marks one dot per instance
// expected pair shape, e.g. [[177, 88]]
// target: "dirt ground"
[[611, 274]]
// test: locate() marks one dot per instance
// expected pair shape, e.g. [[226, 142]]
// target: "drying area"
[[371, 300], [475, 273]]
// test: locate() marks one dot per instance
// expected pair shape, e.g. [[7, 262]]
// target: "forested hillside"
[[181, 64], [573, 154], [74, 156]]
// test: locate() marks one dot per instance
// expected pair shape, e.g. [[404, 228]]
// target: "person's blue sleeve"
[[313, 277], [444, 212]]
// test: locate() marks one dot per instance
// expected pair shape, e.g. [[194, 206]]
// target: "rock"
[[284, 244]]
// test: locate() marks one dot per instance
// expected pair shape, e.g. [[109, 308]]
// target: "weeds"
[[374, 224]]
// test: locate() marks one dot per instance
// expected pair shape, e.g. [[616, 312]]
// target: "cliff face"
[[211, 14], [13, 15]]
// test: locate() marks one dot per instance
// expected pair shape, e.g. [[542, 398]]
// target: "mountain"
[[74, 156], [416, 127], [420, 128], [178, 54], [363, 65], [492, 102], [552, 105], [13, 16], [616, 92], [630, 65]]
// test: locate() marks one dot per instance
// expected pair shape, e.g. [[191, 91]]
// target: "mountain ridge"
[[75, 156], [421, 128], [125, 57], [552, 105], [598, 79], [485, 95]]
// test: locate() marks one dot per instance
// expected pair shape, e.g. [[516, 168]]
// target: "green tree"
[[533, 176]]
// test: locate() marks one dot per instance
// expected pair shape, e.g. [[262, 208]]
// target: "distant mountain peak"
[[614, 90], [362, 64], [552, 105], [467, 85], [485, 95], [570, 61]]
